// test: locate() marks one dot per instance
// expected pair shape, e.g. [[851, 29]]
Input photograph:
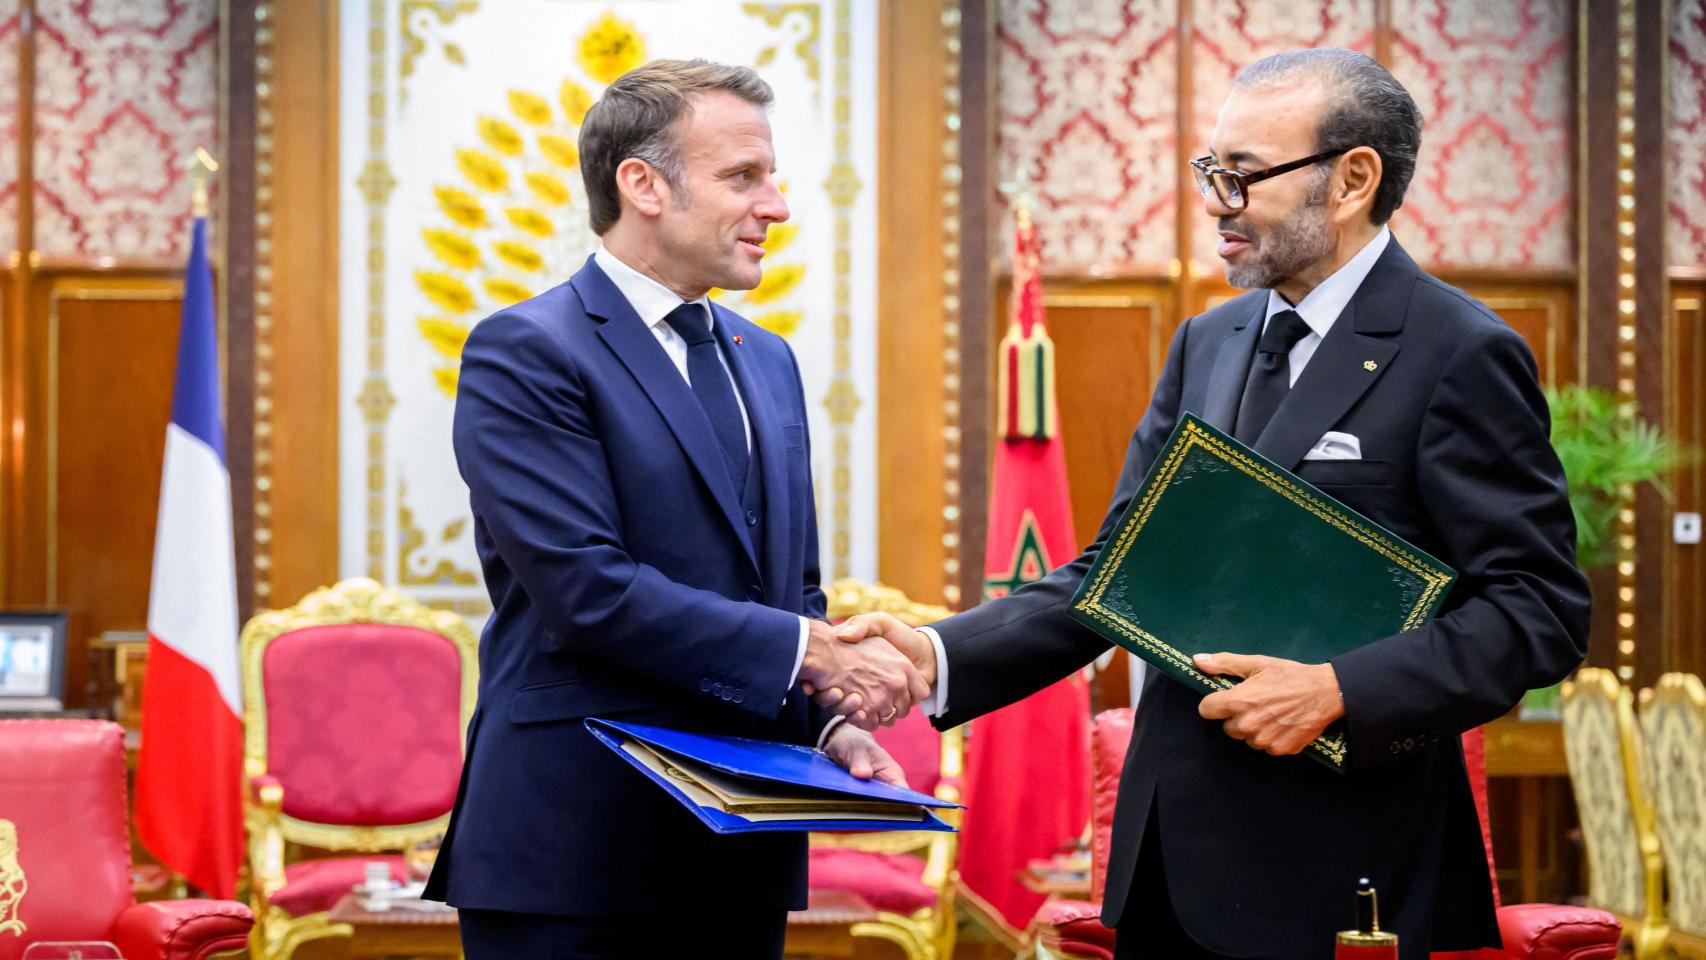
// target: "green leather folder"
[[1222, 550]]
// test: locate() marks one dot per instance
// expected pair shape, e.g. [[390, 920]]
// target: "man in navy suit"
[[1410, 402], [639, 470]]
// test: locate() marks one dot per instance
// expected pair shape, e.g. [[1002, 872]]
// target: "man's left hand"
[[860, 754], [1281, 706]]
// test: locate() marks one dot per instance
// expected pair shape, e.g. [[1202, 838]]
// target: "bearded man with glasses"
[[1410, 402]]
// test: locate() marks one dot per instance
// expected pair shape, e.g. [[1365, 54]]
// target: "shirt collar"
[[650, 299], [1324, 303]]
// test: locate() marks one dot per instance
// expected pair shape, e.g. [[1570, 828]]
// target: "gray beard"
[[1286, 249]]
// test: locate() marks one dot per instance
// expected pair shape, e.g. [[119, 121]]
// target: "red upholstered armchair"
[[355, 702], [908, 877], [65, 852], [1072, 930]]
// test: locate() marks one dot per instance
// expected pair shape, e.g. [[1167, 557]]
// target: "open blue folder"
[[735, 785]]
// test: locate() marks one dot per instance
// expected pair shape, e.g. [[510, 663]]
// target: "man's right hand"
[[869, 682], [912, 642]]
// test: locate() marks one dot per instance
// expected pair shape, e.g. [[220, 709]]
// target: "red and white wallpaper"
[[125, 92], [1495, 185], [1087, 97], [1688, 133], [9, 38], [1231, 34]]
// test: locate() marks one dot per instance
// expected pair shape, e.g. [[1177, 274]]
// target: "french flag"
[[189, 809]]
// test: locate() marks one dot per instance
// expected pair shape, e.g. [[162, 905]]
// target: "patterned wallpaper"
[[1495, 185], [1087, 100], [1688, 133], [124, 94], [9, 37], [1233, 33]]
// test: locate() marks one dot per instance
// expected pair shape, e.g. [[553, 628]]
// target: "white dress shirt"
[[1319, 309], [654, 302]]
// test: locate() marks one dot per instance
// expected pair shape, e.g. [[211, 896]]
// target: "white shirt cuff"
[[936, 703], [828, 728], [799, 655]]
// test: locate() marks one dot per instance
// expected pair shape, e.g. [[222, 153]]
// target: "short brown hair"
[[636, 118]]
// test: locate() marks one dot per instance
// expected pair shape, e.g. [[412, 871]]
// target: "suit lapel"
[[626, 335], [1231, 365], [1356, 352], [768, 446]]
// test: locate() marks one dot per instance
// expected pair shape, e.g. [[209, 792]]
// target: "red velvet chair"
[[908, 877], [1072, 930], [65, 852], [355, 702]]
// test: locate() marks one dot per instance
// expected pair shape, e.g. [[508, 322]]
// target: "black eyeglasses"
[[1233, 188]]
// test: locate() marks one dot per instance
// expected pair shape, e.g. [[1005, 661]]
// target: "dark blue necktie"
[[711, 385]]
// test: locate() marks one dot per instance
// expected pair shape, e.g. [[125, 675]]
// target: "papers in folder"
[[736, 785]]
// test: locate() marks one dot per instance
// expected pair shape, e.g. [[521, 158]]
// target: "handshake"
[[871, 669]]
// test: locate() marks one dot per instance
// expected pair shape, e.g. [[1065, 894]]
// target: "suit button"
[[751, 518], [740, 696], [1410, 744], [716, 689], [1395, 746], [705, 685], [727, 693]]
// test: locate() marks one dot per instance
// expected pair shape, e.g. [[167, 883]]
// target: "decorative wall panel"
[[1230, 35], [1087, 100], [1494, 185], [125, 92], [10, 36], [462, 194], [1688, 133]]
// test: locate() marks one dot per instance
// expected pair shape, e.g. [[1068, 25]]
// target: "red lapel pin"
[[737, 340]]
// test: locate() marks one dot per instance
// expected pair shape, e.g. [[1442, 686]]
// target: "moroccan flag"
[[189, 809], [1027, 765]]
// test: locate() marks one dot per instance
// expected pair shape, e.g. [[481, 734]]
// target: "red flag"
[[1027, 765]]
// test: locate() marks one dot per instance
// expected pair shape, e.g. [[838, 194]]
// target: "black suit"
[[1261, 854]]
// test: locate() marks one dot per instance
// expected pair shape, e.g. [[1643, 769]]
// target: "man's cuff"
[[936, 703], [799, 655], [828, 728]]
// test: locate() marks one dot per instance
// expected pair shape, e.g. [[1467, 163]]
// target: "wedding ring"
[[885, 718]]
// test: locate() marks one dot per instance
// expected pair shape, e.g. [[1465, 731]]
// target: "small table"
[[398, 932]]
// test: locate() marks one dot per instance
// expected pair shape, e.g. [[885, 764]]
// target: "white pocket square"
[[1334, 445]]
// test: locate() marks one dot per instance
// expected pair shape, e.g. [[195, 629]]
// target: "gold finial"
[[202, 166]]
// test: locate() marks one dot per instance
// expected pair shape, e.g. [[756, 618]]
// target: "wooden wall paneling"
[[16, 543], [109, 355], [235, 263], [1542, 310], [1684, 625], [977, 107], [911, 453], [297, 345], [1652, 217]]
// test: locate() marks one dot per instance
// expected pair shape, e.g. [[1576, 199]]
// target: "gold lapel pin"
[[1369, 365]]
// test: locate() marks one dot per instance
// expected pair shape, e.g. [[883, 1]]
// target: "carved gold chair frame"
[[276, 934], [929, 933], [1675, 707], [1646, 929]]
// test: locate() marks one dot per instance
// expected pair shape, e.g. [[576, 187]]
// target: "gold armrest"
[[263, 818]]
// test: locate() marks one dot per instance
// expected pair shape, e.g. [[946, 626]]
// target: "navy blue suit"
[[630, 576]]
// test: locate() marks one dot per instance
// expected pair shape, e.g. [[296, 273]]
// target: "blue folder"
[[808, 772]]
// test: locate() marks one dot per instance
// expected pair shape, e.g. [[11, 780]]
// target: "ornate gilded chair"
[[1673, 728], [65, 852], [910, 878], [1072, 929], [1602, 747], [355, 706]]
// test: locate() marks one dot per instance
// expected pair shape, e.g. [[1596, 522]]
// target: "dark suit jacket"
[[1262, 854], [625, 583]]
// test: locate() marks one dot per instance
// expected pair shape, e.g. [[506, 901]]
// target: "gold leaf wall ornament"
[[445, 290], [576, 101], [414, 567], [782, 323], [444, 335], [777, 283], [802, 20], [500, 136], [506, 291], [610, 48], [519, 255], [13, 883], [530, 108], [461, 206], [547, 188], [453, 248], [779, 236], [445, 379], [560, 151], [530, 220], [482, 170], [416, 19]]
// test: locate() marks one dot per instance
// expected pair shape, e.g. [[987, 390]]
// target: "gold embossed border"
[[1194, 435]]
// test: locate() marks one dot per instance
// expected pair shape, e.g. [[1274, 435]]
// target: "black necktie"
[[1270, 375], [711, 385]]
